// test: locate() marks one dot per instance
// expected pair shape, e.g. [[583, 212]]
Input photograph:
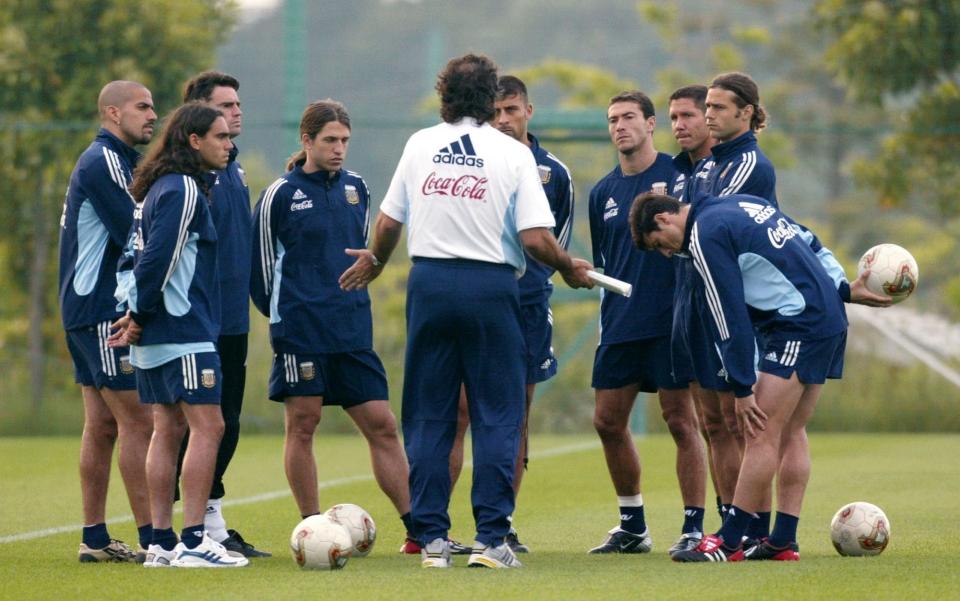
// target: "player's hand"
[[576, 276], [125, 332], [750, 418], [860, 294], [362, 272]]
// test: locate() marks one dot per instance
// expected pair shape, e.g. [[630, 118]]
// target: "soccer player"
[[761, 273], [97, 215], [634, 350], [473, 201], [692, 344], [172, 323], [322, 336], [230, 208], [512, 114], [734, 116]]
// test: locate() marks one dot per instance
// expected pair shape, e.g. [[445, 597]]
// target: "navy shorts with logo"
[[194, 379], [537, 322], [345, 379], [96, 364], [814, 360], [645, 362]]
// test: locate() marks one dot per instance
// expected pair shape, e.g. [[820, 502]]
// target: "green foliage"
[[893, 47], [583, 86], [55, 56]]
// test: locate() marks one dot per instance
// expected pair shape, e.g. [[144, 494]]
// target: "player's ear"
[[661, 219], [194, 141]]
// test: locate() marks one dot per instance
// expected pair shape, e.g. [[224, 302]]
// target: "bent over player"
[[762, 273]]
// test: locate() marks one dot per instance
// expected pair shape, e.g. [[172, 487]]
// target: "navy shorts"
[[704, 355], [644, 362], [345, 379], [814, 360], [96, 364], [537, 322], [194, 379]]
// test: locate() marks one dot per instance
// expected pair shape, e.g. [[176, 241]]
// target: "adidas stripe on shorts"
[[95, 363], [814, 360], [194, 379]]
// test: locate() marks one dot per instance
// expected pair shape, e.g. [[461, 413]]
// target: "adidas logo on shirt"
[[610, 210], [299, 195], [758, 212], [459, 152]]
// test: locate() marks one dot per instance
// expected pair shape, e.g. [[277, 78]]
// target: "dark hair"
[[697, 93], [173, 154], [201, 87], [508, 86], [467, 86], [642, 212], [314, 118], [745, 93], [638, 97]]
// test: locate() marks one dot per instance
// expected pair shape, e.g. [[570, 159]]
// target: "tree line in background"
[[864, 96]]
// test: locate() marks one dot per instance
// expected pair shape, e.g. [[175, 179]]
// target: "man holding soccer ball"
[[761, 273]]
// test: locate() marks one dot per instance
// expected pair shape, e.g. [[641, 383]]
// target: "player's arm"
[[595, 212], [715, 260], [748, 176], [369, 263], [169, 228], [543, 246], [106, 187], [855, 292], [562, 205], [266, 228]]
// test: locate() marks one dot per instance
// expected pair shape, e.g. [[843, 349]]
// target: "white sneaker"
[[158, 557], [486, 556], [436, 554], [208, 554]]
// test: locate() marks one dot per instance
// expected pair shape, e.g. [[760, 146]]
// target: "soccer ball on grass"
[[860, 529], [319, 543], [362, 529]]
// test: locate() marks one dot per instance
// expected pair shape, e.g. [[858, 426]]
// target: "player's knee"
[[302, 424], [608, 426], [682, 426], [383, 427], [102, 428]]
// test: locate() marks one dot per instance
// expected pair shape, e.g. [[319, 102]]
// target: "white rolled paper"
[[609, 283]]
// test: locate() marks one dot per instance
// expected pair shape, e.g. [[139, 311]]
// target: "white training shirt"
[[465, 192]]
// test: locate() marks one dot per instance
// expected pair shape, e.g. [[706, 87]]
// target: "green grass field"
[[566, 506]]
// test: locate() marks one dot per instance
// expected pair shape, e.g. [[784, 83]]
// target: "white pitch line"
[[276, 494]]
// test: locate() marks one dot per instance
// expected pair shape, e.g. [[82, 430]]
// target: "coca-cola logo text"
[[464, 186]]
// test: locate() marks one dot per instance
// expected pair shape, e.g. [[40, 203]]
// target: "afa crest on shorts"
[[208, 378], [307, 371], [353, 197], [125, 367]]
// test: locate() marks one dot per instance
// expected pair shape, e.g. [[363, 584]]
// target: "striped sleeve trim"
[[116, 171], [186, 216], [713, 297], [564, 229], [747, 163], [268, 253]]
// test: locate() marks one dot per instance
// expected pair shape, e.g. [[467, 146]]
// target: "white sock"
[[631, 501], [213, 521]]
